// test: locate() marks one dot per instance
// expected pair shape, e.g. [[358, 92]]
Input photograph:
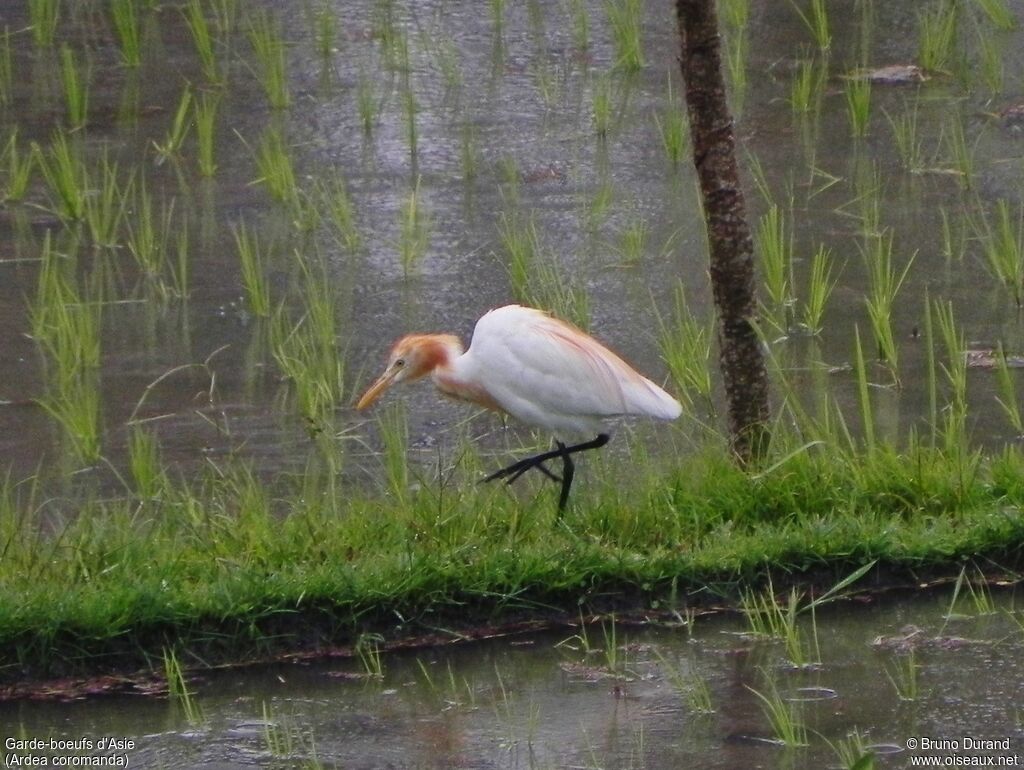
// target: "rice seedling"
[[325, 30], [509, 179], [394, 434], [205, 116], [955, 415], [177, 689], [735, 14], [446, 57], [414, 230], [105, 203], [610, 649], [685, 345], [469, 152], [180, 126], [601, 100], [806, 89], [368, 651], [959, 156], [625, 18], [522, 245], [998, 12], [580, 24], [954, 236], [410, 109], [6, 68], [633, 240], [992, 59], [44, 16], [498, 14], [906, 137], [817, 23], [144, 464], [66, 176], [819, 289], [774, 238], [274, 163], [736, 64], [254, 278], [19, 168], [1007, 397], [1003, 245], [863, 395], [857, 90], [307, 351], [129, 32], [768, 618], [786, 719], [672, 126], [853, 752], [367, 103], [978, 595], [225, 12], [147, 234], [202, 38], [884, 284], [693, 689], [903, 676], [340, 212], [265, 38], [74, 405], [937, 34]]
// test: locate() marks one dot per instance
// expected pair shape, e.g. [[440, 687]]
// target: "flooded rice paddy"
[[876, 676], [217, 216]]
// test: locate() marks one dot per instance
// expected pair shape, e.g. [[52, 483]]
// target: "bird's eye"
[[399, 363]]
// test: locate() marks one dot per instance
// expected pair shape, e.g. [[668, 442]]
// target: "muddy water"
[[554, 700], [518, 101]]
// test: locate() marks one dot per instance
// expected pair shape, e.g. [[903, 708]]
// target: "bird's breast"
[[462, 390]]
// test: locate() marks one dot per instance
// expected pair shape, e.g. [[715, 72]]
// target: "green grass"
[[180, 126], [1003, 245], [815, 19], [6, 68], [225, 578], [276, 170]]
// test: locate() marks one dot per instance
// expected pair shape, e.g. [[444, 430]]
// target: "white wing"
[[548, 373]]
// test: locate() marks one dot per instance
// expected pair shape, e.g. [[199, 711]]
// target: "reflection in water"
[[553, 701]]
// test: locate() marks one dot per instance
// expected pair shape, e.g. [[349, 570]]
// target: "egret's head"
[[412, 357]]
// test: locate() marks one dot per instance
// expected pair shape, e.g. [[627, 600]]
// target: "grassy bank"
[[226, 568]]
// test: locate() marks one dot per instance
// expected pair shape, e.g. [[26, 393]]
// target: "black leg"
[[568, 469], [517, 469]]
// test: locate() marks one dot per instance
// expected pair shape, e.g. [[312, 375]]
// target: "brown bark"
[[729, 237]]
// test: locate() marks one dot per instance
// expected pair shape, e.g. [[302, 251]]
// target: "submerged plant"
[[819, 289], [816, 21], [66, 176], [19, 168], [179, 129], [414, 230]]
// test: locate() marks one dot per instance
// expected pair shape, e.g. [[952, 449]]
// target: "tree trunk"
[[730, 241]]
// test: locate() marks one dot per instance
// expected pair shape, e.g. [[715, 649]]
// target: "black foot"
[[517, 469]]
